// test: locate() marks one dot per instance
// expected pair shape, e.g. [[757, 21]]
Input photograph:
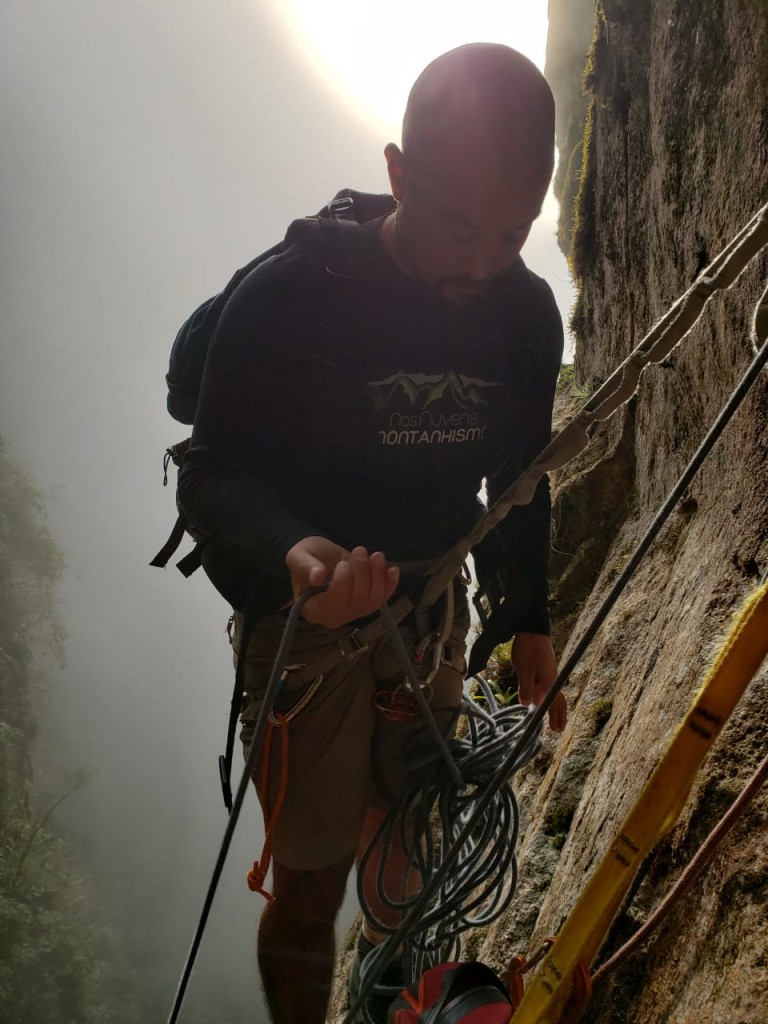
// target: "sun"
[[370, 53]]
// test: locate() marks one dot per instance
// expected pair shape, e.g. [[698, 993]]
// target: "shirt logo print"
[[423, 408]]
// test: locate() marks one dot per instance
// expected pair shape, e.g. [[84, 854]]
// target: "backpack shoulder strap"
[[334, 232], [190, 347]]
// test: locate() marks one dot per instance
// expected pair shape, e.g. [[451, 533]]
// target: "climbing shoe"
[[389, 985]]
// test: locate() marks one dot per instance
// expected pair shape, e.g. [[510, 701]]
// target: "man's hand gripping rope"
[[358, 583]]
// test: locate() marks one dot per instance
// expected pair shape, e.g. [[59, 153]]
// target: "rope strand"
[[681, 887]]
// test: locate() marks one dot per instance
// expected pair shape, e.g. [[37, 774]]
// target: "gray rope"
[[410, 672], [426, 824], [273, 688]]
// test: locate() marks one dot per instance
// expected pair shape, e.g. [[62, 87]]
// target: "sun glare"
[[368, 53], [371, 53]]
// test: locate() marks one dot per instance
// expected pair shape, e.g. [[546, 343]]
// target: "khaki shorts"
[[343, 753]]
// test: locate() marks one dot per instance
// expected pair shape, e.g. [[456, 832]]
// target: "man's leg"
[[297, 942], [329, 744]]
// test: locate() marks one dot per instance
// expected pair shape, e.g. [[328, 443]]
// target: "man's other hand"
[[359, 583], [535, 665]]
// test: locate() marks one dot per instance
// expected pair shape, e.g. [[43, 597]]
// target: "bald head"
[[474, 168], [483, 97]]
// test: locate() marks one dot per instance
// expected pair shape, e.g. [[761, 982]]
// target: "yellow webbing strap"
[[656, 810]]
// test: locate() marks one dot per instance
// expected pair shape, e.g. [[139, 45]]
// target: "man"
[[347, 418]]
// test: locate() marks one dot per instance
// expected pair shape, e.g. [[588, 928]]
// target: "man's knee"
[[310, 897]]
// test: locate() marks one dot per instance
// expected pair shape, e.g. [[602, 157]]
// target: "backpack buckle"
[[342, 208]]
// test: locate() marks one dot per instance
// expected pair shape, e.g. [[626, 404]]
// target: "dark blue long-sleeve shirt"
[[363, 406]]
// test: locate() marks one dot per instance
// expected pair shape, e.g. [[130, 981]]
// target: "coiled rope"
[[427, 822]]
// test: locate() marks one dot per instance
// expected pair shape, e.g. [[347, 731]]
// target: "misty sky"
[[148, 150]]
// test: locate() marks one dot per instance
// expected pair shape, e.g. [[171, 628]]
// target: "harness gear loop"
[[256, 877], [258, 873], [299, 706], [397, 639]]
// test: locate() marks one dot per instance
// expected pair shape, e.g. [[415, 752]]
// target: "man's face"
[[463, 219]]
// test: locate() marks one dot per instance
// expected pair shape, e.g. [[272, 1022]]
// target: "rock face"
[[667, 157], [663, 159]]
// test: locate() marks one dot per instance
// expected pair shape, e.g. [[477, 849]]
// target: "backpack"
[[184, 378], [453, 993], [190, 348]]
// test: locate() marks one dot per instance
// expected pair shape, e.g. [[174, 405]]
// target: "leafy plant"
[[57, 966]]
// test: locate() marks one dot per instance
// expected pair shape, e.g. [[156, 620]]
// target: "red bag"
[[453, 993]]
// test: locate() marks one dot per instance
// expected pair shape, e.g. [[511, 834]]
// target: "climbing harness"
[[616, 391], [353, 643], [426, 661]]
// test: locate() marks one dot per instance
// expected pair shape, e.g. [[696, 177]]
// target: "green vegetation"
[[558, 840], [557, 824], [583, 234], [583, 237], [56, 966], [569, 187], [501, 678], [505, 690], [600, 712], [597, 55], [568, 387], [579, 321], [566, 378]]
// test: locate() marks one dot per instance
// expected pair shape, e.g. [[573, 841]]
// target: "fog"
[[148, 150]]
